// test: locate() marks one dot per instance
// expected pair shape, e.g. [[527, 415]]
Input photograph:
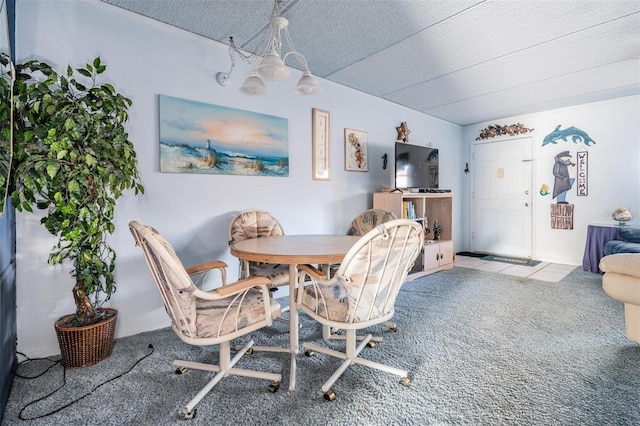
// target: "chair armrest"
[[204, 267], [313, 272], [234, 288], [238, 286], [202, 271]]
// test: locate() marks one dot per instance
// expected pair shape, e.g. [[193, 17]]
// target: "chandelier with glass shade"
[[268, 61]]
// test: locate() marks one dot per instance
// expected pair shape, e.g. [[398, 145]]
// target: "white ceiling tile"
[[465, 61]]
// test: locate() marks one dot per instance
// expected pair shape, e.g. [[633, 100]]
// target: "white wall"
[[144, 59], [613, 174]]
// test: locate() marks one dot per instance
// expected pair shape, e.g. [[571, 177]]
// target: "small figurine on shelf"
[[425, 226], [437, 230]]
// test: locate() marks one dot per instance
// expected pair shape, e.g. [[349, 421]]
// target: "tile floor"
[[543, 271]]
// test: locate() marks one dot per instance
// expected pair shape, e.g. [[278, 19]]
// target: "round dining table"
[[294, 250]]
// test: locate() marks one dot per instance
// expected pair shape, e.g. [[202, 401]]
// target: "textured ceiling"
[[465, 61]]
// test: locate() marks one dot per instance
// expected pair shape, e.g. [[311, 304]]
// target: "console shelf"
[[437, 255]]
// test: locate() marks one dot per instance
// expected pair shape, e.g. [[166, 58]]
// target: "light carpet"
[[482, 349]]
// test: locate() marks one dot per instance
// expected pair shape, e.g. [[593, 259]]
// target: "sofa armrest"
[[622, 263]]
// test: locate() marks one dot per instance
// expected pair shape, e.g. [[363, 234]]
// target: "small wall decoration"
[[583, 169], [563, 180], [562, 211], [403, 132], [574, 133], [544, 189], [321, 141], [355, 150], [561, 216], [196, 137], [496, 130]]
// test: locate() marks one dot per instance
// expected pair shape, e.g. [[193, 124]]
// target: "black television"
[[416, 166]]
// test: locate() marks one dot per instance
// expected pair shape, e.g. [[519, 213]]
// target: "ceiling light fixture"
[[269, 60]]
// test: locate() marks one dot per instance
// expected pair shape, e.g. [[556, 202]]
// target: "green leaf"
[[69, 124], [52, 169], [73, 186], [90, 160], [83, 71]]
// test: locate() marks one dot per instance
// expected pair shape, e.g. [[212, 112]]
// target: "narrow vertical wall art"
[[321, 139], [583, 175]]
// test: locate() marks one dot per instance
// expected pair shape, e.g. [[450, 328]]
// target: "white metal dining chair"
[[255, 223], [360, 225], [362, 292], [204, 318]]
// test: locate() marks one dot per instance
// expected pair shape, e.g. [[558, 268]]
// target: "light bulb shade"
[[253, 85], [307, 85], [271, 67]]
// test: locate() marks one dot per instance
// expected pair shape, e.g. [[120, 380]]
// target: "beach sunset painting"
[[197, 137]]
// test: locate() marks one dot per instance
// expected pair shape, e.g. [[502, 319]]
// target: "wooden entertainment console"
[[437, 255]]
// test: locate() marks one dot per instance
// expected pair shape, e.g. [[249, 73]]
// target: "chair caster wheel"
[[371, 344], [188, 415], [249, 351], [405, 381], [273, 387], [309, 352], [330, 395], [393, 329], [181, 370]]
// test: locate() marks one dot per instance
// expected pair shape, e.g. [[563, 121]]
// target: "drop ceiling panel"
[[483, 33], [552, 93], [340, 33], [572, 54], [465, 61]]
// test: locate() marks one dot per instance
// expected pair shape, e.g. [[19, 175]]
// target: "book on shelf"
[[408, 209]]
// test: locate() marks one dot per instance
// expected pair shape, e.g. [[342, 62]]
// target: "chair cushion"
[[330, 302], [216, 317], [278, 274], [254, 224]]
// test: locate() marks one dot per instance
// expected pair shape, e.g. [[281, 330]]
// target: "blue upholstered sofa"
[[629, 242]]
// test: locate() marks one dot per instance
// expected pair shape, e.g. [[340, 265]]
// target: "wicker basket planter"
[[87, 345]]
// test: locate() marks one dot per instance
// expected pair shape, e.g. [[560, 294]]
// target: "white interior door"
[[501, 198]]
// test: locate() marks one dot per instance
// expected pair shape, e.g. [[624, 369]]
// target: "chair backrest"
[[369, 219], [253, 224], [375, 268], [171, 278]]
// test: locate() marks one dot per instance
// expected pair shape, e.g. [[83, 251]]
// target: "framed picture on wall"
[[321, 141], [355, 151], [201, 138]]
